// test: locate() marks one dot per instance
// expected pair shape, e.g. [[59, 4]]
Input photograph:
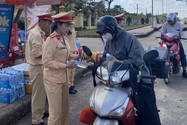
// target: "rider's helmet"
[[106, 24], [172, 18]]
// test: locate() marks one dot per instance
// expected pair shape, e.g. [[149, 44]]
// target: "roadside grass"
[[92, 32]]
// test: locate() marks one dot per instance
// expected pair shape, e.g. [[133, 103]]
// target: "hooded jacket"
[[125, 47]]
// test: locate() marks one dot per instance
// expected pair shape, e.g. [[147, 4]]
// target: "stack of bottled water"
[[11, 85]]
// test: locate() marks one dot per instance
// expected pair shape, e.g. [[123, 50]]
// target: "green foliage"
[[147, 20], [117, 10], [77, 5], [129, 19], [157, 20], [80, 5], [109, 5], [142, 21]]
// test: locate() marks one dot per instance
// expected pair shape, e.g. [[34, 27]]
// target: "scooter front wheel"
[[167, 80]]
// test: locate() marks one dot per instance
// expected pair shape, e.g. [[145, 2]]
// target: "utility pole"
[[137, 8], [162, 7], [152, 14], [166, 6], [146, 11]]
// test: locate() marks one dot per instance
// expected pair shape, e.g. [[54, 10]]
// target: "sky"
[[159, 8]]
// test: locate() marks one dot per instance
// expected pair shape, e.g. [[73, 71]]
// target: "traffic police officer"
[[120, 19], [34, 58], [55, 56], [73, 50]]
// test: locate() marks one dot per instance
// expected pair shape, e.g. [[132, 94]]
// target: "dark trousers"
[[148, 109], [182, 56]]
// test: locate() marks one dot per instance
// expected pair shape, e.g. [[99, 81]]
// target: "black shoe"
[[42, 123], [72, 91], [73, 88], [46, 114], [184, 74]]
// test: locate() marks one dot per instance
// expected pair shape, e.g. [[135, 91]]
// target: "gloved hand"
[[117, 60]]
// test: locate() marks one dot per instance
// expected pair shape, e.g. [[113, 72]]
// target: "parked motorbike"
[[171, 42], [113, 99]]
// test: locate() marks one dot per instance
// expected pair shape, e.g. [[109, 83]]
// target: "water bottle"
[[78, 44], [20, 89], [109, 57]]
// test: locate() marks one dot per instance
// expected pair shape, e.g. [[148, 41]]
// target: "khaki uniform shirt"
[[34, 46], [54, 57], [72, 43]]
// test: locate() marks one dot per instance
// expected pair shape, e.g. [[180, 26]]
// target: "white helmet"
[[172, 18]]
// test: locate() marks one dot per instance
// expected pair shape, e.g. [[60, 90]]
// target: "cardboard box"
[[26, 75], [28, 86]]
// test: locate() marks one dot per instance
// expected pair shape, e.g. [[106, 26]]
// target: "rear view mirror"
[[87, 51]]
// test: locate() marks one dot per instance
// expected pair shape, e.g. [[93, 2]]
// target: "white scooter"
[[113, 99]]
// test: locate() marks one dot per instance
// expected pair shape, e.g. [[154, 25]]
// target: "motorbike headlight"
[[115, 78], [119, 76], [119, 111], [103, 73]]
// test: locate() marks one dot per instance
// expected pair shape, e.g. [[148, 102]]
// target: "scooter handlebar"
[[183, 38]]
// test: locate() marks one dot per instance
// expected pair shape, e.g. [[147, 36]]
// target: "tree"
[[109, 4], [142, 21], [76, 5], [117, 10], [99, 7], [147, 20], [129, 19], [96, 6]]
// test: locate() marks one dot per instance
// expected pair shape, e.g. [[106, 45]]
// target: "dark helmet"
[[172, 18], [106, 24]]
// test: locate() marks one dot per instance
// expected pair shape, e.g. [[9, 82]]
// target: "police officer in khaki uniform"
[[55, 55], [73, 50], [34, 59], [120, 19]]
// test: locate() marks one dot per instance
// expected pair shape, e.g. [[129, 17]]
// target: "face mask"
[[107, 36]]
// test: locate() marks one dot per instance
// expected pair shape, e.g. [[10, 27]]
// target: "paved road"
[[171, 99]]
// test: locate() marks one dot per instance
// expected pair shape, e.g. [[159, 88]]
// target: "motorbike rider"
[[173, 26], [124, 47]]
